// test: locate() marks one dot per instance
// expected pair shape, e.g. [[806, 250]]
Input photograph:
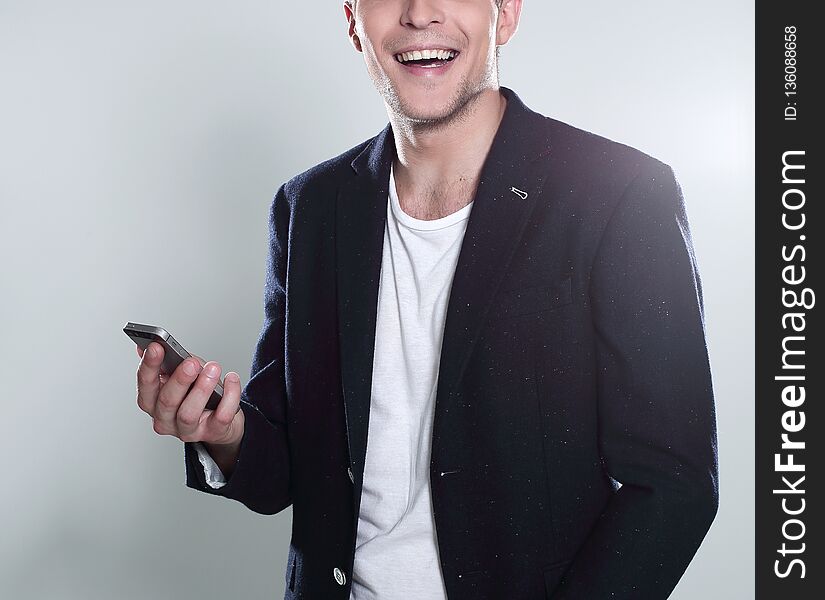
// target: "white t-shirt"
[[396, 553]]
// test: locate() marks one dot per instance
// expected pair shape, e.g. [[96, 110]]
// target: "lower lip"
[[434, 71]]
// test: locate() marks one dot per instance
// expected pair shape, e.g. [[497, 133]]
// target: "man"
[[482, 371]]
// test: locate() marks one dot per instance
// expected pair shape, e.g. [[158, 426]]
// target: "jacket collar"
[[518, 139]]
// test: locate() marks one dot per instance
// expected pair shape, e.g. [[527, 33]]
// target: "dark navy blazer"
[[574, 439]]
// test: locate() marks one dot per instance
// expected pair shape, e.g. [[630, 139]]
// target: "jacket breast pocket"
[[531, 299]]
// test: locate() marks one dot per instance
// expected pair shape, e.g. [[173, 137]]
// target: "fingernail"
[[152, 352], [233, 377], [189, 368], [212, 370]]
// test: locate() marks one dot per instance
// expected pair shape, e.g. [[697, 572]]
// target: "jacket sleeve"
[[657, 426], [260, 478]]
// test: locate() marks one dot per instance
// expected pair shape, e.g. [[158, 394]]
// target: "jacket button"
[[351, 477], [340, 578]]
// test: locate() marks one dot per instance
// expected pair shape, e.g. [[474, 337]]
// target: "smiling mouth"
[[426, 58]]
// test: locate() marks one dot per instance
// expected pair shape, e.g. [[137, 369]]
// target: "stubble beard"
[[459, 108]]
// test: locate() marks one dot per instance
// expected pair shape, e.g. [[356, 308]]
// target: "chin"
[[426, 107], [425, 112]]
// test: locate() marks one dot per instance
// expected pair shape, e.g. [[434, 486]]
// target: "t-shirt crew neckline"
[[423, 224]]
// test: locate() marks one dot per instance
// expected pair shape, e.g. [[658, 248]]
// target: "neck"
[[447, 155]]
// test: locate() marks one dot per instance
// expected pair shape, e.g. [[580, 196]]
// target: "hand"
[[183, 415]]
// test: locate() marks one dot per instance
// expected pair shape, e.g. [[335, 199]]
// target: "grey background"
[[140, 145]]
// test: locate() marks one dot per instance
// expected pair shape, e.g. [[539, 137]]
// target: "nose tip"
[[422, 13]]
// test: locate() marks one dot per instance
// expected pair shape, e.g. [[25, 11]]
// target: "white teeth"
[[425, 54]]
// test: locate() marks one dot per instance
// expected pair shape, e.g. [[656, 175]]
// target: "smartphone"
[[173, 353]]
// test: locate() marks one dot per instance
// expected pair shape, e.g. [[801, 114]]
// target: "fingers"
[[190, 415], [225, 424], [172, 394], [222, 417], [177, 401], [148, 382]]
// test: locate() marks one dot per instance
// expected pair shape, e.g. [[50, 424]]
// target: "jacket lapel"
[[506, 194], [361, 214]]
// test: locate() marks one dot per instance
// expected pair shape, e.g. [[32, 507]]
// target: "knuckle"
[[223, 420], [202, 388], [167, 401], [159, 427], [182, 378], [187, 418], [141, 380], [226, 420], [197, 384], [144, 376]]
